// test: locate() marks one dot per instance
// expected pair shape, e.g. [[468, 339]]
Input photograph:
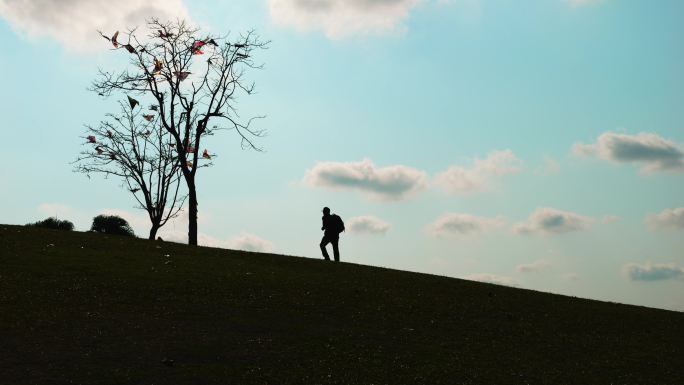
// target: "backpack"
[[337, 223]]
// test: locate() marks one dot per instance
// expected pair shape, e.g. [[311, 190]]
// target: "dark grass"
[[87, 308]]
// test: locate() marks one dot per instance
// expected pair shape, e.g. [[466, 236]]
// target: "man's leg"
[[324, 242], [336, 249]]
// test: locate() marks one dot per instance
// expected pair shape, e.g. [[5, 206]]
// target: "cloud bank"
[[243, 241], [492, 278], [74, 23], [342, 18], [649, 272], [548, 221], [460, 179], [380, 183], [451, 224], [652, 152], [58, 210], [249, 242], [667, 219], [367, 225]]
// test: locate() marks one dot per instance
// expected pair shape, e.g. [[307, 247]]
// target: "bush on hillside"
[[111, 224], [53, 223]]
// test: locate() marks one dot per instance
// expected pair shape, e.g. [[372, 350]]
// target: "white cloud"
[[460, 179], [74, 23], [552, 221], [181, 236], [385, 183], [652, 152], [492, 278], [367, 225], [463, 224], [250, 242], [608, 219], [342, 18], [58, 210], [583, 150], [653, 272], [571, 277], [667, 219], [243, 241], [534, 267]]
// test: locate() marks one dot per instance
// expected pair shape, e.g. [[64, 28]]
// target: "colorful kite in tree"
[[196, 47], [206, 155], [157, 67], [132, 102], [164, 34], [109, 134], [99, 150], [114, 42], [148, 117], [91, 139], [190, 149], [182, 75]]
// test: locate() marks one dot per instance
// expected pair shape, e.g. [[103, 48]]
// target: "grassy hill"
[[86, 308]]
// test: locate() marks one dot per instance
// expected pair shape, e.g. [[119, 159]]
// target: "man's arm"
[[323, 221]]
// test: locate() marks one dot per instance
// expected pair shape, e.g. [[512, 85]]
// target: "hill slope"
[[92, 309]]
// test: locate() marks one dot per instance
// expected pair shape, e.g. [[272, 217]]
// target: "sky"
[[537, 144]]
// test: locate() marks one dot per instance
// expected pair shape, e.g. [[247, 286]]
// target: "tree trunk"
[[192, 214], [153, 231]]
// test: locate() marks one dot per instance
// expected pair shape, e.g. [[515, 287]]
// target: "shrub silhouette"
[[53, 223], [111, 224]]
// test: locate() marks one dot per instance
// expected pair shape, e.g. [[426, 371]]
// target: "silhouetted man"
[[332, 227]]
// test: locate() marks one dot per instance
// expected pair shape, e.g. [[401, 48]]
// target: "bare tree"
[[193, 98], [133, 146]]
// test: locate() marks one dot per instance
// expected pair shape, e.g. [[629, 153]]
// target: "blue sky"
[[535, 143]]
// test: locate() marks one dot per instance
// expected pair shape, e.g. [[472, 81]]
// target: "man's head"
[[326, 211]]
